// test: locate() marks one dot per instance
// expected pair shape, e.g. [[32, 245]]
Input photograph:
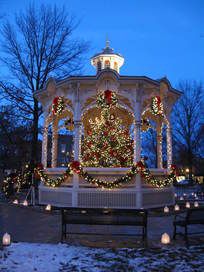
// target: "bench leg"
[[174, 235], [144, 236], [186, 235], [63, 233], [143, 233]]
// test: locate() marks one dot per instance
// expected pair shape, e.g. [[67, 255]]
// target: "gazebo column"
[[77, 140], [137, 150], [44, 146], [169, 145], [159, 146], [137, 131], [54, 142], [77, 149]]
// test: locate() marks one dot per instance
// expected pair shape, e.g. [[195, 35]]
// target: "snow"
[[23, 257]]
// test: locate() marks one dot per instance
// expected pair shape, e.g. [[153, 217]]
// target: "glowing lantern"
[[166, 209], [176, 207], [195, 195], [181, 198], [25, 203], [15, 201], [48, 207], [188, 205], [196, 204], [6, 240], [165, 239]]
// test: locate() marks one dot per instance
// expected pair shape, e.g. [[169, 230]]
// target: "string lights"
[[58, 105], [107, 99], [14, 182], [145, 124], [139, 167], [50, 182], [157, 105], [107, 143]]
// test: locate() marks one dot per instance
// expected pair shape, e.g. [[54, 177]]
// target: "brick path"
[[28, 224]]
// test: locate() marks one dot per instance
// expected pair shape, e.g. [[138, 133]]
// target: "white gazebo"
[[136, 97]]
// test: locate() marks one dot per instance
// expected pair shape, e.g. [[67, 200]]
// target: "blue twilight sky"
[[157, 37]]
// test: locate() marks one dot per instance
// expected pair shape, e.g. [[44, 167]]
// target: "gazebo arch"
[[160, 120], [53, 120]]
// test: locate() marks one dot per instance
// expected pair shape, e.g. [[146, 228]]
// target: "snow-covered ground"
[[27, 257]]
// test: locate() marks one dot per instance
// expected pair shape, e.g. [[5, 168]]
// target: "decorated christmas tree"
[[107, 143]]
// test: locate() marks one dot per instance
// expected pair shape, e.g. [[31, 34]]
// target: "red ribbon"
[[108, 96]]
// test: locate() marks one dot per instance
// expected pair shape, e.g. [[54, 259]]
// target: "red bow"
[[108, 96], [55, 100]]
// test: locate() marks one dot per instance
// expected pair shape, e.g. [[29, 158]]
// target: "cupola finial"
[[107, 42]]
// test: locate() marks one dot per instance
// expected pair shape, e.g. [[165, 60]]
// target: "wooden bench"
[[100, 216], [193, 216]]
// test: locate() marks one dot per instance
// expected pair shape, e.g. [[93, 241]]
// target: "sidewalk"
[[33, 224]]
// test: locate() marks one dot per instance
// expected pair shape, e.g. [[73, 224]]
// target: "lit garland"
[[150, 179], [157, 106], [58, 105], [139, 167], [106, 99], [49, 181]]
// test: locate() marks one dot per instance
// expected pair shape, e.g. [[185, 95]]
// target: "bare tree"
[[188, 123], [39, 44], [15, 139]]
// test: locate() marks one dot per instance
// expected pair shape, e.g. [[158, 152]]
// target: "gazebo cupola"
[[107, 59]]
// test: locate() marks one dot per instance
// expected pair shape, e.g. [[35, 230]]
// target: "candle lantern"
[[48, 207], [165, 239], [188, 205], [196, 196], [176, 207], [6, 240], [25, 203], [196, 204], [166, 209]]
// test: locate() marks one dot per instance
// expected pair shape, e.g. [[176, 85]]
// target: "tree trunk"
[[34, 144], [190, 163]]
